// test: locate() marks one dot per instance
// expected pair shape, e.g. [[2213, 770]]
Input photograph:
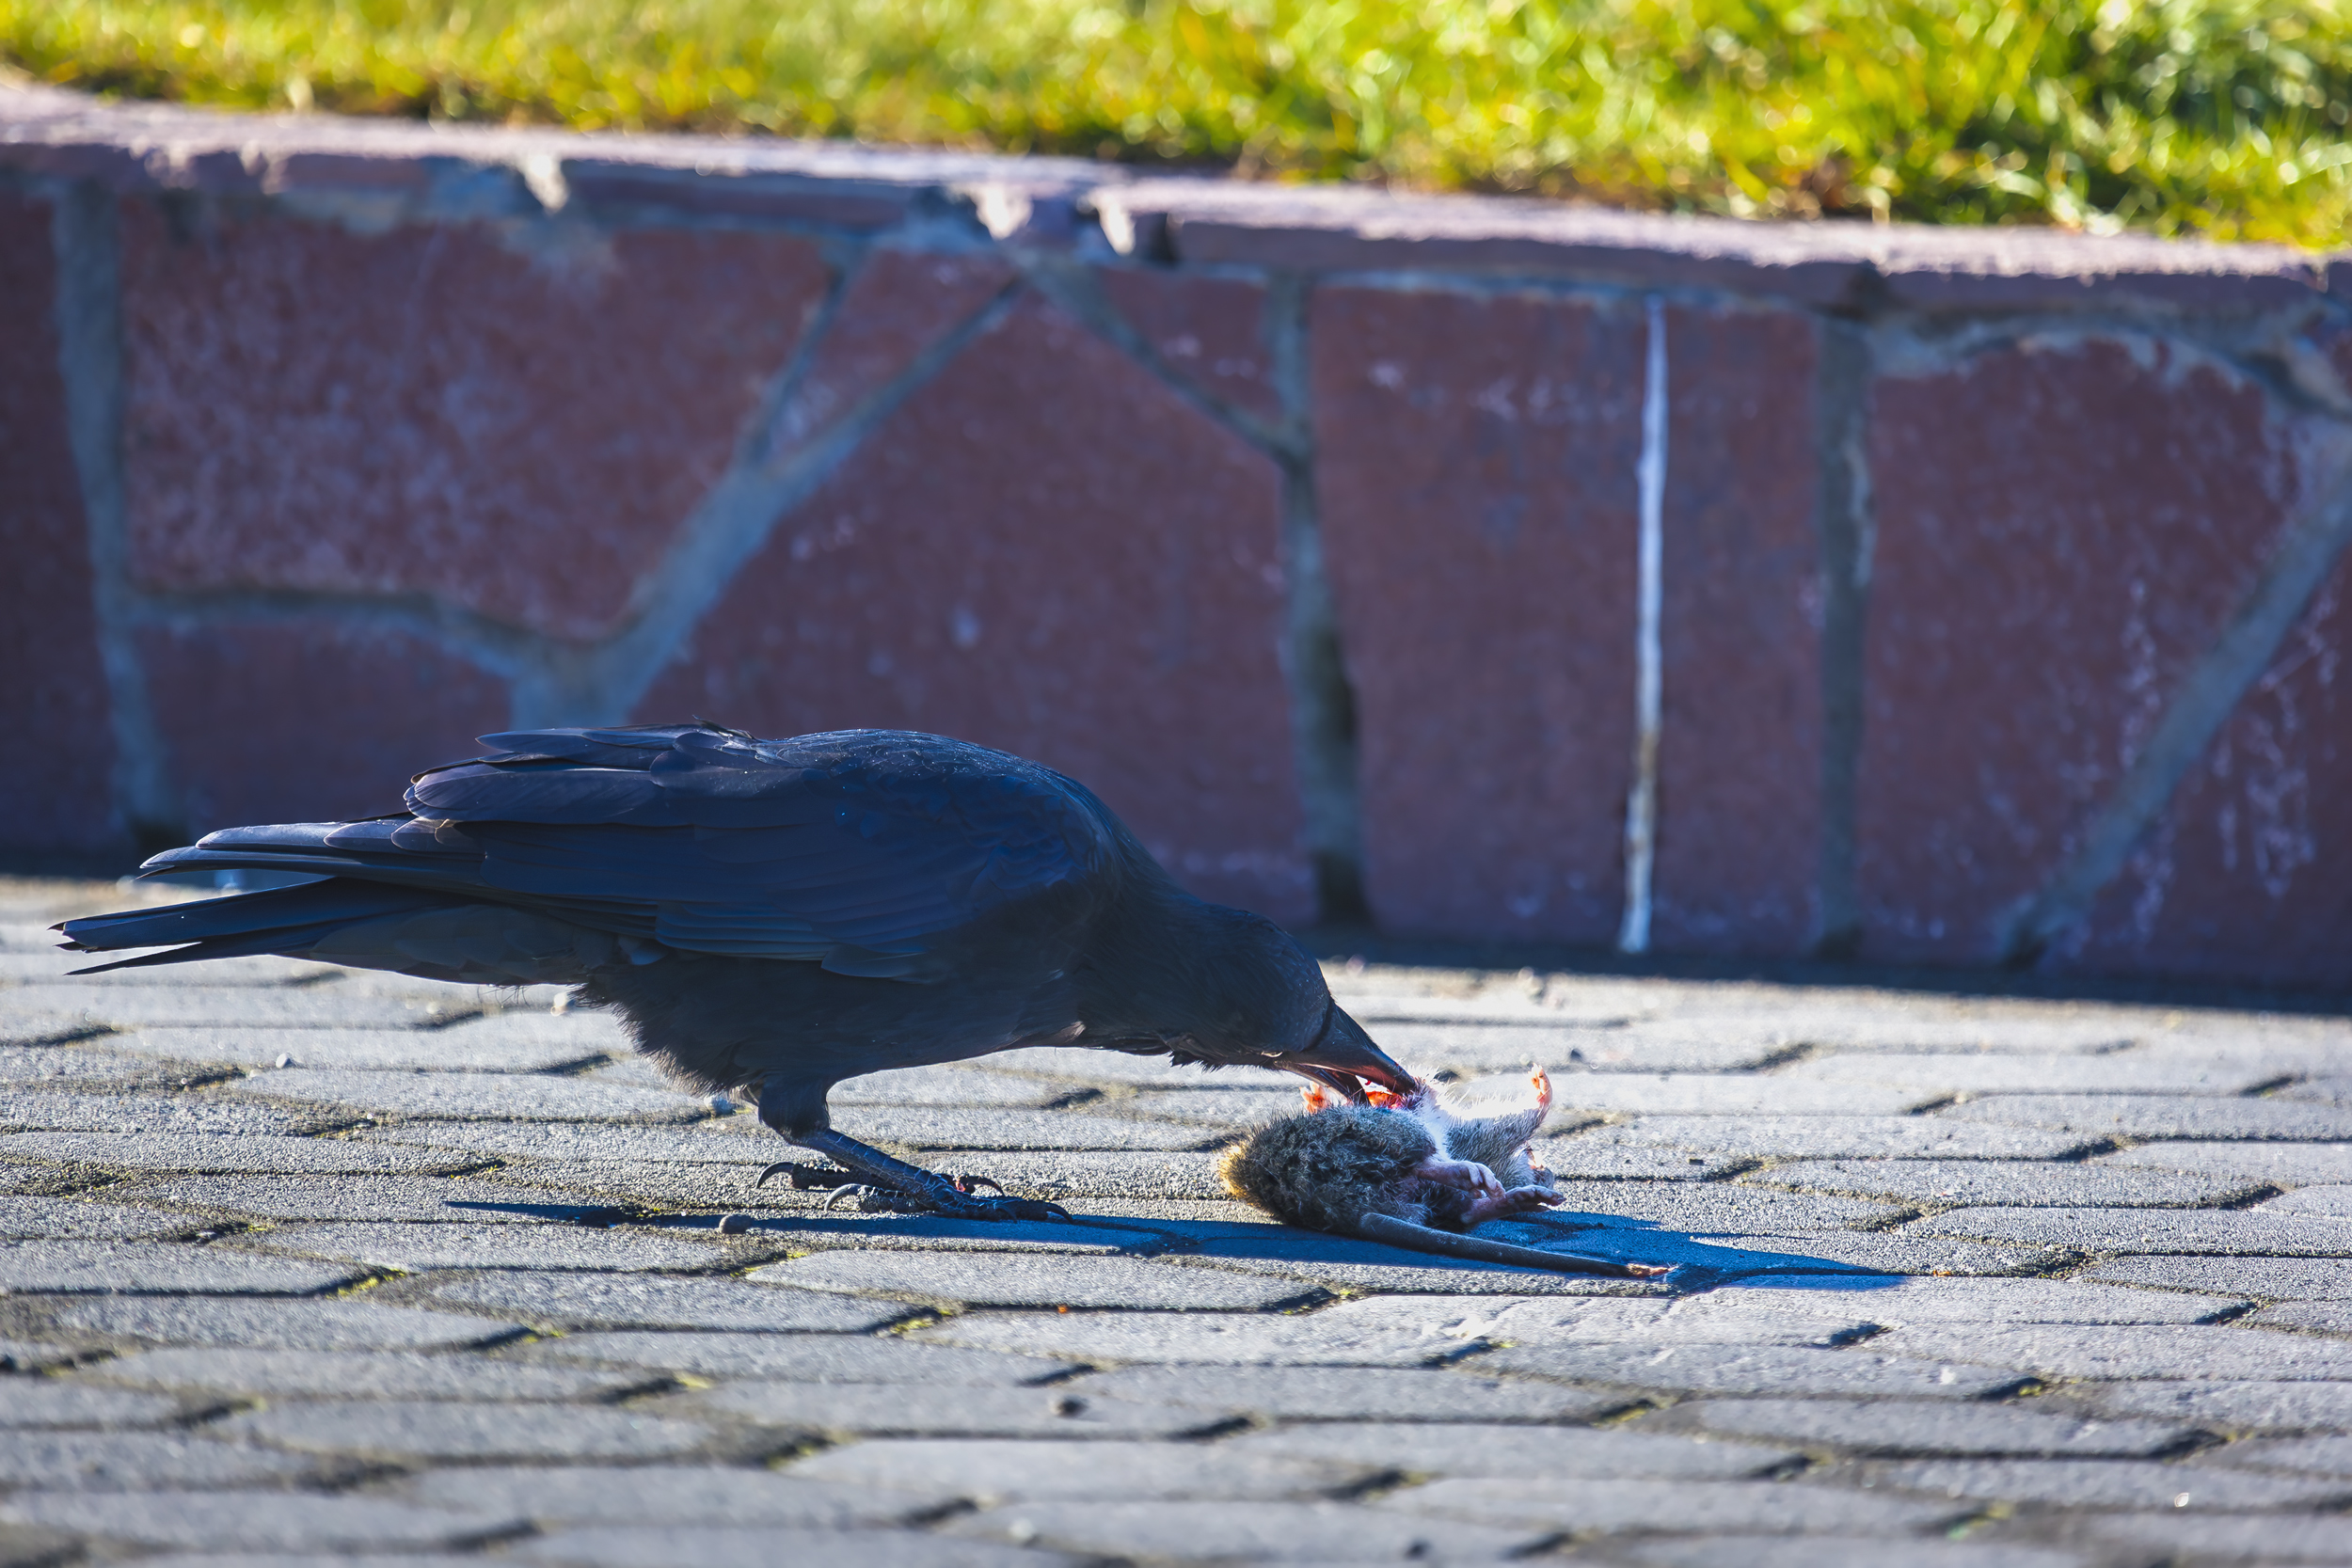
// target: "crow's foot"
[[890, 1186]]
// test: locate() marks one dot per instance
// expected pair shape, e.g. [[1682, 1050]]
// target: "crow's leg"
[[914, 1187]]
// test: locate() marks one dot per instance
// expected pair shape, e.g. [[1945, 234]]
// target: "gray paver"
[[454, 1429], [600, 1141], [2319, 1316], [1731, 1094], [642, 1302], [134, 1462], [149, 1113], [2223, 1354], [418, 1247], [278, 1522], [2027, 1183], [1564, 1049], [1816, 1551], [2321, 1456], [1595, 1158], [158, 1268], [1755, 1318], [334, 1326], [2227, 1406], [947, 1086], [1535, 1451], [53, 1403], [1345, 1263], [1590, 1507], [2263, 1278], [1904, 1427], [1065, 1174], [1196, 1338], [1751, 1369], [2162, 1115], [621, 1546], [1032, 1279], [56, 1217], [350, 1374], [1012, 1470], [2102, 1483], [885, 1409], [2287, 1165], [1718, 1208], [2128, 1072], [2206, 1539], [332, 1005], [933, 1233], [1839, 1138], [69, 1066], [1920, 1299], [2329, 1202], [468, 1096], [366, 1198], [670, 1494], [811, 1359], [22, 1356], [1348, 1393], [230, 1154], [2205, 1231], [1245, 1532], [460, 1048]]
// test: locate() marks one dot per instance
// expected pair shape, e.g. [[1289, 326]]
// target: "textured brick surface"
[[2062, 529], [1101, 590], [1475, 476], [1208, 330], [309, 408], [48, 625]]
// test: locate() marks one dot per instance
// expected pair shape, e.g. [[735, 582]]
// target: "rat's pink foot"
[[1469, 1175], [1500, 1206], [1317, 1098], [1542, 1080]]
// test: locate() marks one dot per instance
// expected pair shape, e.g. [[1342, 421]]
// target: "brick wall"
[[1994, 600]]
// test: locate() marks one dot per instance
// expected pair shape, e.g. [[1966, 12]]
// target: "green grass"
[[2224, 118]]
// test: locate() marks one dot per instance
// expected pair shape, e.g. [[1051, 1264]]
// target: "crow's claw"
[[806, 1179], [965, 1183], [958, 1204]]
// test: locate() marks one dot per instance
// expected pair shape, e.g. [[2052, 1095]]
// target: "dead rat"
[[1412, 1170]]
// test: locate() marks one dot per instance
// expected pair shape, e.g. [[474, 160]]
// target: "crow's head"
[[1263, 1003]]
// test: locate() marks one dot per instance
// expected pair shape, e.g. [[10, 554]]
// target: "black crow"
[[774, 916]]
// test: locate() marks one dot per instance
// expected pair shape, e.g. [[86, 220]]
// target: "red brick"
[[426, 411], [897, 304], [2244, 876], [1739, 768], [1476, 480], [309, 720], [55, 795], [2061, 529], [1208, 330], [1046, 550]]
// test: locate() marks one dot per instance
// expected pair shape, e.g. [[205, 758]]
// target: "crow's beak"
[[1342, 1056]]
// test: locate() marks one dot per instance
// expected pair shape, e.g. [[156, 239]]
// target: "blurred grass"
[[2224, 118]]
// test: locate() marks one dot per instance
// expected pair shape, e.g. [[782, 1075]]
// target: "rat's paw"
[[1542, 1080], [1469, 1175], [1501, 1205]]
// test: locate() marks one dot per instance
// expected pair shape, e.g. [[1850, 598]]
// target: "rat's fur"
[[1415, 1157]]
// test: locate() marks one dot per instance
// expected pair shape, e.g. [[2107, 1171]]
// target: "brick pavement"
[[301, 1265]]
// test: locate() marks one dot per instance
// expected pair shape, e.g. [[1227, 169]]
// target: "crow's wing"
[[859, 849]]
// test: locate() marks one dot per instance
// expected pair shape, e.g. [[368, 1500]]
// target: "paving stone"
[[1011, 1470], [2007, 1182], [2101, 1483], [313, 1006], [231, 1154], [146, 1114], [461, 1048], [1567, 1048], [2328, 1089], [1905, 1427], [152, 1268], [306, 1559], [2219, 1353], [1233, 1110], [1713, 1318], [2227, 1406], [22, 1356], [67, 1067], [414, 1249], [1032, 1279], [1730, 1094], [1590, 1507], [2285, 1164], [669, 1184], [1732, 1254], [616, 1141], [1839, 1137], [265, 1521], [1919, 1299], [933, 1233], [82, 1217], [885, 1410], [468, 1096], [2323, 1456], [1816, 1551], [1243, 1531], [2128, 1072], [646, 1301], [1777, 1370], [1188, 1337], [1060, 1175], [617, 1547], [134, 1462], [1533, 1451], [1592, 1159], [325, 1326], [1348, 1393], [957, 1086], [802, 1358], [52, 1402], [368, 1198], [2210, 1539], [2329, 1202], [1117, 1068], [1716, 1208], [2205, 1231], [354, 1375], [2263, 1278], [455, 1430], [1345, 1263], [2162, 1115], [668, 1494], [2319, 1316]]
